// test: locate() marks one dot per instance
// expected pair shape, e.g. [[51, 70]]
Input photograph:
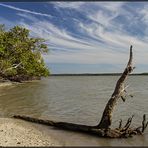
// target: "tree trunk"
[[106, 119]]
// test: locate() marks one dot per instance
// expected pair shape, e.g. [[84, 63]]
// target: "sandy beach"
[[15, 132]]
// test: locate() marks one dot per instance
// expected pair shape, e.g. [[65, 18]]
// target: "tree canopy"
[[20, 54]]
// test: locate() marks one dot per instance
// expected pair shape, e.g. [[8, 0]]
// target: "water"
[[77, 99]]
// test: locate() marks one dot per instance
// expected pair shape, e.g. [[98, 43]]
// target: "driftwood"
[[118, 93], [103, 128]]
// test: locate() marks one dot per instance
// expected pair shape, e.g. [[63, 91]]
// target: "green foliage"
[[20, 54]]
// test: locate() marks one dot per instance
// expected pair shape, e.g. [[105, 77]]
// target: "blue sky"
[[85, 37]]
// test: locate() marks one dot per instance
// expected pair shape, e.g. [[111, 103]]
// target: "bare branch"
[[14, 66], [127, 125], [144, 123], [120, 124], [108, 111]]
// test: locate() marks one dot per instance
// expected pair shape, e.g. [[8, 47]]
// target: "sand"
[[2, 84], [14, 132]]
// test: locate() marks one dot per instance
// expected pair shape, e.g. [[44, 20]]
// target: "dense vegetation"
[[20, 55]]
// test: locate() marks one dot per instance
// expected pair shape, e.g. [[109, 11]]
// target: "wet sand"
[[15, 132], [2, 84]]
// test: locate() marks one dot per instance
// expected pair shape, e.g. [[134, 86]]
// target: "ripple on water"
[[78, 100]]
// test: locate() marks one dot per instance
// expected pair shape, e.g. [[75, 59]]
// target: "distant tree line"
[[20, 55]]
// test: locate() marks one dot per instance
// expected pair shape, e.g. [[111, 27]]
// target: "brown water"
[[78, 99]]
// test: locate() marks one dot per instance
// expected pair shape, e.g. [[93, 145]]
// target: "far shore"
[[98, 74], [8, 83]]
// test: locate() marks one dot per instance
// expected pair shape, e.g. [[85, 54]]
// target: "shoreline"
[[14, 132], [5, 83], [10, 83]]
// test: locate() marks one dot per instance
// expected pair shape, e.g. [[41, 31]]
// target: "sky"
[[85, 37]]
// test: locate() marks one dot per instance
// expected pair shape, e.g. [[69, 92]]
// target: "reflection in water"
[[78, 99]]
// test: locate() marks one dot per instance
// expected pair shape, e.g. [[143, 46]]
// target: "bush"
[[20, 54]]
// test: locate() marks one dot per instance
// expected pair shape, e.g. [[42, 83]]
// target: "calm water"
[[78, 99]]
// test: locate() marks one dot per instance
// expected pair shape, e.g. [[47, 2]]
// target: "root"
[[93, 130], [144, 123]]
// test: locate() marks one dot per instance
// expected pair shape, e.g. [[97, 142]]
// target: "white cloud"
[[144, 12], [112, 6], [104, 39], [25, 10], [8, 24], [54, 35], [27, 16], [114, 50], [71, 5], [101, 18]]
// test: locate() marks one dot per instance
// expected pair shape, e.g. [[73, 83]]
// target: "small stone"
[[18, 143], [1, 130]]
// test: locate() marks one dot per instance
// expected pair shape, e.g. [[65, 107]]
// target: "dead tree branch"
[[106, 119], [144, 123], [103, 128], [14, 66]]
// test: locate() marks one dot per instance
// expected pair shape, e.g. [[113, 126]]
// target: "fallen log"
[[93, 130], [103, 128]]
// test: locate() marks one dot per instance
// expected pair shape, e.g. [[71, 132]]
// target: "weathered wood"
[[127, 125], [120, 124], [64, 125], [144, 123], [106, 119], [93, 130], [103, 128]]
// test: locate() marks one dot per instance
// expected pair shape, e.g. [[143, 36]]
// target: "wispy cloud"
[[25, 10], [112, 49], [91, 32], [7, 23], [111, 6], [71, 5]]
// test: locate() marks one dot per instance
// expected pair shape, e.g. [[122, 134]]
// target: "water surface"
[[77, 99]]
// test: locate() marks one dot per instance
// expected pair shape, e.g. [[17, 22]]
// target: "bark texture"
[[120, 132], [106, 119]]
